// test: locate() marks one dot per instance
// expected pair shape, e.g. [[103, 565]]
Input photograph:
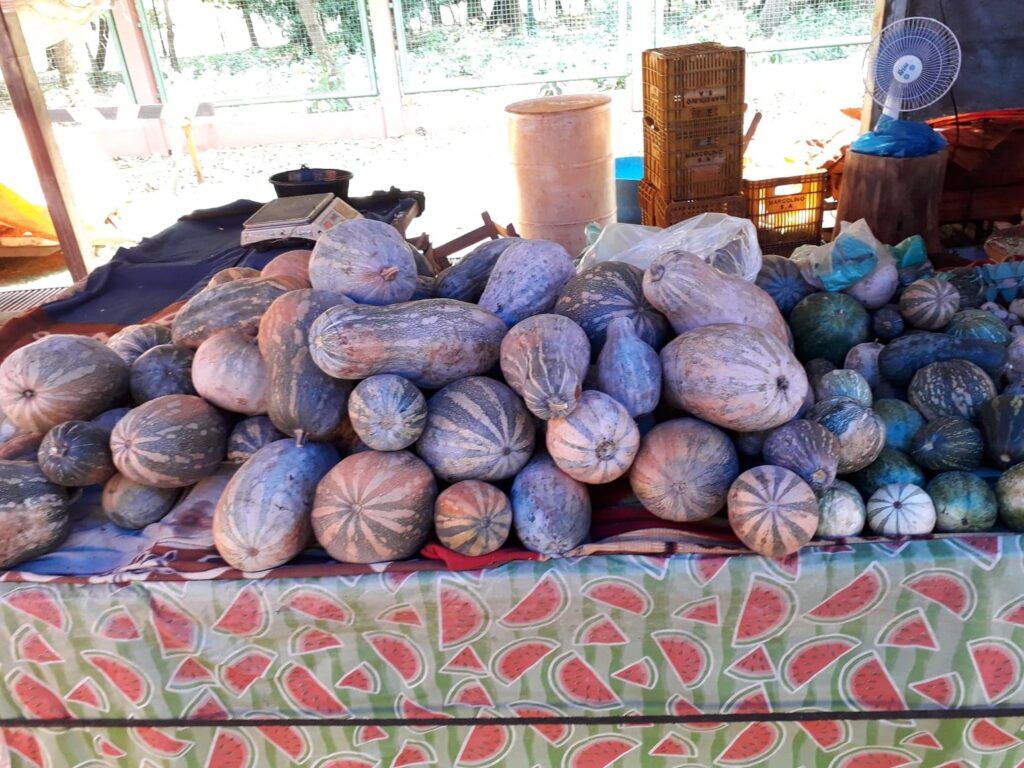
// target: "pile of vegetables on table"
[[372, 405]]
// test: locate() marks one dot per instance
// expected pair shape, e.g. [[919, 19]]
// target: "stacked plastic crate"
[[693, 132]]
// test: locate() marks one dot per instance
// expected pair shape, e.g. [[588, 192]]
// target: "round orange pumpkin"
[[375, 506], [231, 273], [772, 510], [472, 518], [59, 378], [597, 442], [293, 264], [229, 372], [169, 442]]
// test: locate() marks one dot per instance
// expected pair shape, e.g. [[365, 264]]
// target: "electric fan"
[[912, 63]]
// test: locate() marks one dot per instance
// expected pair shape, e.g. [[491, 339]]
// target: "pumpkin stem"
[[656, 272], [389, 273], [300, 437]]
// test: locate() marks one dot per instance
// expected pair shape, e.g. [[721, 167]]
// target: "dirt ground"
[[457, 154]]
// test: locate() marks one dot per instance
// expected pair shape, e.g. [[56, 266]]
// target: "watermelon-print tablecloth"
[[589, 661]]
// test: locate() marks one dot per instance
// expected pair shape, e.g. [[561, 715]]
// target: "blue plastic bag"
[[848, 259], [899, 138]]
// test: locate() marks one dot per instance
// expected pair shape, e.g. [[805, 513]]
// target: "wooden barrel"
[[897, 196], [563, 168]]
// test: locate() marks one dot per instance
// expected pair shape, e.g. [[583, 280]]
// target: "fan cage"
[[925, 38]]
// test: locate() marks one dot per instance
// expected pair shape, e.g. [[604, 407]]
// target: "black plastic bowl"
[[310, 181]]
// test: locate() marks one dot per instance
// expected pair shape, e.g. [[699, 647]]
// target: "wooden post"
[[30, 108], [137, 61], [885, 13], [386, 61]]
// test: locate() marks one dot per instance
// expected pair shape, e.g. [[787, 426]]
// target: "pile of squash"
[[371, 405]]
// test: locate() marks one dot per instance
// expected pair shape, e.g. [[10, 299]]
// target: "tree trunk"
[[171, 53], [434, 6], [559, 10], [772, 13], [505, 12], [475, 10], [65, 62], [310, 15], [253, 40], [99, 61]]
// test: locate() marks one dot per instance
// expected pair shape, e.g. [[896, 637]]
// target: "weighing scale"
[[304, 217]]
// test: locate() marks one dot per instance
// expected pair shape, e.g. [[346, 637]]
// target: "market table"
[[656, 646]]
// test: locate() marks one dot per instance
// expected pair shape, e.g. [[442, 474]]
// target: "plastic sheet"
[[725, 242], [899, 138], [852, 256]]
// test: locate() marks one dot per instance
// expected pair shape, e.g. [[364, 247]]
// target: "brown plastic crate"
[[787, 211], [693, 82], [656, 211], [703, 158]]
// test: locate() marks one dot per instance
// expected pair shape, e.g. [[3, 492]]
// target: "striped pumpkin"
[[132, 341], [374, 506], [860, 431], [387, 412], [131, 505], [169, 442], [608, 290], [163, 370], [302, 400], [978, 324], [950, 388], [229, 371], [735, 376], [236, 305], [76, 453], [929, 304], [59, 378], [628, 369], [806, 448], [683, 470], [691, 294], [472, 518], [946, 443], [366, 260], [477, 429], [597, 442], [545, 359], [901, 509], [249, 435], [772, 511], [780, 278]]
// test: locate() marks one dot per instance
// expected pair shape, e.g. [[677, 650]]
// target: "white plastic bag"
[[727, 243], [613, 240]]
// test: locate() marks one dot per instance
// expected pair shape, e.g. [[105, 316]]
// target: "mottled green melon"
[[902, 421], [948, 443], [978, 324], [841, 512], [891, 466], [963, 503], [829, 325]]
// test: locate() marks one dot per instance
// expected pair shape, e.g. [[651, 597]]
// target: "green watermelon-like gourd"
[[472, 518], [132, 341], [863, 359], [902, 421], [597, 442], [476, 429], [108, 419], [948, 443], [929, 304], [236, 305], [844, 382], [466, 279], [33, 513], [1002, 424], [829, 325], [683, 470], [890, 467], [550, 510], [76, 453], [375, 506], [387, 412], [527, 280], [262, 520], [887, 322], [60, 378], [131, 505], [605, 291], [901, 509], [1010, 497], [978, 324], [545, 360], [841, 512], [628, 369], [249, 435], [780, 278], [772, 511], [806, 448], [816, 369], [165, 369], [170, 442], [950, 388], [366, 260], [963, 503], [969, 283], [735, 376], [861, 433], [905, 356]]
